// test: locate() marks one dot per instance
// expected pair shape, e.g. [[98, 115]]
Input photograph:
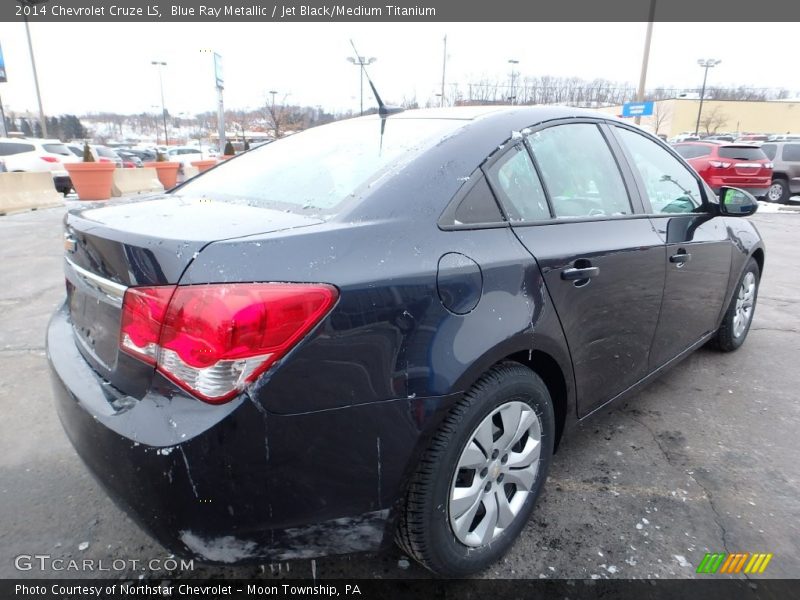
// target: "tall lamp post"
[[361, 62], [160, 64], [706, 64], [512, 62]]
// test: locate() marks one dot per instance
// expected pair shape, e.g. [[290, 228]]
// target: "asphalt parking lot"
[[704, 460]]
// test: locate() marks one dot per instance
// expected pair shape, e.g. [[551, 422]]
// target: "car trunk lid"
[[111, 248]]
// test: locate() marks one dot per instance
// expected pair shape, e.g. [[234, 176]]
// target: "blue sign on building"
[[2, 66], [637, 109]]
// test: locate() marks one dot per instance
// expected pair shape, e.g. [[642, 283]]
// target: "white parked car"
[[25, 154], [186, 155]]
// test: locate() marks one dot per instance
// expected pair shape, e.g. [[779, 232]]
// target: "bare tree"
[[277, 114], [713, 119], [661, 114]]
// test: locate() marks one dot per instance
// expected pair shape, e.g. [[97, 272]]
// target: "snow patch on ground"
[[223, 549]]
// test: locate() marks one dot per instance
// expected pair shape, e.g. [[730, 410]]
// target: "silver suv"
[[785, 157]]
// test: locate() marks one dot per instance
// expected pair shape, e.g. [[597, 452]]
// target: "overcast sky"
[[106, 67]]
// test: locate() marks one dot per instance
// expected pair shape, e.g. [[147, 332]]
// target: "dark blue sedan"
[[378, 330]]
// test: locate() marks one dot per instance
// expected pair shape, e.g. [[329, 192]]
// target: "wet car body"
[[315, 456]]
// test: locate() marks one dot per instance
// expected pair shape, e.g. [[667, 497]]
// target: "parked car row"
[[770, 171]]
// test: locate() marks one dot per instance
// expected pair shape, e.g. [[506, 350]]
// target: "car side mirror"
[[734, 202]]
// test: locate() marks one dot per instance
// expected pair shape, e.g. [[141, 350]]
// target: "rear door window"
[[579, 171], [791, 153], [517, 186]]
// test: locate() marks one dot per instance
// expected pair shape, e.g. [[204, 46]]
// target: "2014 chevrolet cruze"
[[379, 329]]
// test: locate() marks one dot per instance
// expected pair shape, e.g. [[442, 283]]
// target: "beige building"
[[676, 116]]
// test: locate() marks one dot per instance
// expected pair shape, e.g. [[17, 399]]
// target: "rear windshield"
[[742, 153], [321, 167], [106, 152], [57, 149]]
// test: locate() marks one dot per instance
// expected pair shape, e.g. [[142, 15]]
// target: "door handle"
[[575, 274], [681, 258]]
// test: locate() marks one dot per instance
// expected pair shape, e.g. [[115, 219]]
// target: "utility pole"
[[35, 77], [512, 62], [159, 64], [444, 67], [645, 56], [706, 64], [361, 62]]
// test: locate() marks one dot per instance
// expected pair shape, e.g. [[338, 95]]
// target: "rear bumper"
[[234, 483]]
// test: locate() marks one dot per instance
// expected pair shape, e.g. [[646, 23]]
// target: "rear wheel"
[[736, 322], [479, 480], [778, 191]]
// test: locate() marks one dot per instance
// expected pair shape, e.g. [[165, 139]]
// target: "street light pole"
[[160, 64], [444, 67], [512, 62], [361, 62], [706, 64]]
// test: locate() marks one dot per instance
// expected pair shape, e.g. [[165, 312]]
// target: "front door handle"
[[576, 274], [681, 258]]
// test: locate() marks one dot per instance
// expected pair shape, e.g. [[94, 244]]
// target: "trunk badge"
[[70, 243]]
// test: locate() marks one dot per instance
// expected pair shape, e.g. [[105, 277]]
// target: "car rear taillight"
[[50, 159], [718, 164], [214, 339], [768, 165]]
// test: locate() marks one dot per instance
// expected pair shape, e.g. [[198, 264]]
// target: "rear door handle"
[[681, 258], [575, 274]]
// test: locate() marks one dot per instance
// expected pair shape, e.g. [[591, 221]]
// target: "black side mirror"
[[734, 202]]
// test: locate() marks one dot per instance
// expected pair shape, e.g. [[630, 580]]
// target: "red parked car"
[[738, 165]]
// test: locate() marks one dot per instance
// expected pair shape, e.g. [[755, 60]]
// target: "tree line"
[[64, 127]]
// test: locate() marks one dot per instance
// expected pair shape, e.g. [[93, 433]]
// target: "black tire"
[[779, 191], [726, 338], [424, 531]]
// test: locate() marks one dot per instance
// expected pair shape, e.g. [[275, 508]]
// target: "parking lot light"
[[706, 64], [161, 64]]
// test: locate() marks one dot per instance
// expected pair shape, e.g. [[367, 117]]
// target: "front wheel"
[[736, 322], [478, 482]]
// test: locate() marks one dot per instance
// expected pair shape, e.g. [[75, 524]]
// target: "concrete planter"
[[91, 180], [167, 172]]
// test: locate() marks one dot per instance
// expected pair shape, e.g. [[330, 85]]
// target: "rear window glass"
[[9, 148], [321, 167], [691, 151], [791, 153], [57, 149], [741, 153], [105, 152]]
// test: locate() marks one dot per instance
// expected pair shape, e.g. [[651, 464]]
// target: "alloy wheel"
[[495, 473], [744, 304], [775, 192]]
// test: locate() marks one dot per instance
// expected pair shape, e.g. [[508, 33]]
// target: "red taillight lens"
[[214, 339], [143, 311], [50, 159]]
